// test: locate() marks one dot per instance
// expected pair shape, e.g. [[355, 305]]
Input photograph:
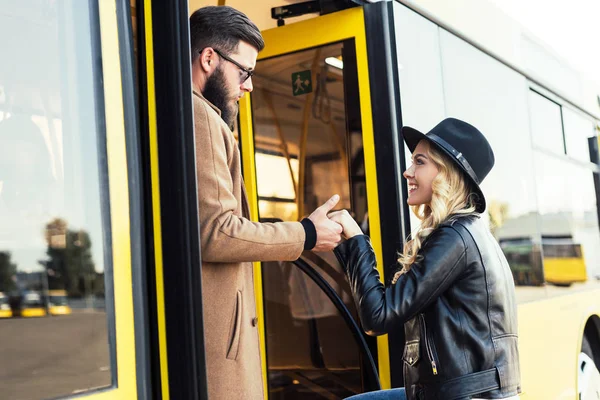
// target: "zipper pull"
[[434, 367]]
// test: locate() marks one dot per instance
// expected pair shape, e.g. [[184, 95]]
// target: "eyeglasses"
[[246, 73]]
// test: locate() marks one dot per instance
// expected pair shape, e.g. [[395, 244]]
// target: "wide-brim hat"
[[465, 145]]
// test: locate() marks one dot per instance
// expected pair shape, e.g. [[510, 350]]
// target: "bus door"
[[306, 133]]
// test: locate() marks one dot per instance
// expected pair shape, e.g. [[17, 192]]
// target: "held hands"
[[329, 227], [328, 232], [350, 226]]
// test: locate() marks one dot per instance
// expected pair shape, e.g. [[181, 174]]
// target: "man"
[[225, 45]]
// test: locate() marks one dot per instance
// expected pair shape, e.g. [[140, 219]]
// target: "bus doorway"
[[303, 134]]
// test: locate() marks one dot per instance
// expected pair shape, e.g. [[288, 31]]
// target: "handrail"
[[350, 322]]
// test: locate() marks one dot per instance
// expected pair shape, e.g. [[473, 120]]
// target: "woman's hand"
[[350, 226]]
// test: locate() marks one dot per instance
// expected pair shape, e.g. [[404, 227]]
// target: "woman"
[[455, 292]]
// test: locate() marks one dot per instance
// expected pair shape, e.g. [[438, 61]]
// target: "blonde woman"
[[454, 293]]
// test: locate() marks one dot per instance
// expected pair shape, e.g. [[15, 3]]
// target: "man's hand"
[[328, 232], [350, 226]]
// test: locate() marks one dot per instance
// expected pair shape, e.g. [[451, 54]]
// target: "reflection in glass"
[[493, 97], [307, 149], [54, 336], [568, 221], [578, 131], [546, 123]]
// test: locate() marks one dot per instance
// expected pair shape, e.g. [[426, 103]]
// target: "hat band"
[[457, 154]]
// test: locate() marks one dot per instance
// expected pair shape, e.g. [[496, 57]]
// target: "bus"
[[563, 261], [555, 257], [98, 176], [5, 310], [28, 304], [58, 303]]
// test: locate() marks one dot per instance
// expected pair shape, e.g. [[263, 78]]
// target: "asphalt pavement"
[[48, 357]]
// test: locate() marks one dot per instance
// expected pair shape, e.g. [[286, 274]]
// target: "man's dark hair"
[[222, 27]]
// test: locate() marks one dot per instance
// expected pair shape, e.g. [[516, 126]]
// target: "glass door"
[[304, 137]]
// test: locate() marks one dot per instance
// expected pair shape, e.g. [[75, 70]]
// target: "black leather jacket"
[[458, 307]]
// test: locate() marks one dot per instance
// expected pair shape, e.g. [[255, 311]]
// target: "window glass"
[[310, 351], [54, 337], [578, 131], [492, 97], [419, 69], [276, 186], [420, 75], [546, 123], [569, 223]]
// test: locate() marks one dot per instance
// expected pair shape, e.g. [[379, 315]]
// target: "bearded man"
[[225, 45]]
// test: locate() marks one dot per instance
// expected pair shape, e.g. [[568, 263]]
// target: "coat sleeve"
[[224, 236], [380, 308]]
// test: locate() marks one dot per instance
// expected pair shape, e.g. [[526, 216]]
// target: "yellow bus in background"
[[28, 304], [564, 263], [58, 303], [5, 311], [561, 261]]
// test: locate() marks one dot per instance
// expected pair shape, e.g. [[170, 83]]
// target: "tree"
[[8, 272], [71, 266]]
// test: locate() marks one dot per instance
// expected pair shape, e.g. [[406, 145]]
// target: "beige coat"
[[229, 243]]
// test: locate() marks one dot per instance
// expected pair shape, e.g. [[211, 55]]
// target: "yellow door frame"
[[332, 28]]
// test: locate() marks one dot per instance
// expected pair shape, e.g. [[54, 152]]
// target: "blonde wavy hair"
[[452, 197]]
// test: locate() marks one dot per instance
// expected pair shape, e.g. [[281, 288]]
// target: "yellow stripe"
[[371, 176], [119, 204], [156, 217], [317, 32], [247, 140]]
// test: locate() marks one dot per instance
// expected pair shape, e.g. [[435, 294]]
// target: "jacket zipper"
[[429, 346]]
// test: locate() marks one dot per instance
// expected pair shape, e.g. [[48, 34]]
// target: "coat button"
[[254, 321], [410, 360]]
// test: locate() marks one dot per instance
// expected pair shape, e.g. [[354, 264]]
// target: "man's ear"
[[207, 60]]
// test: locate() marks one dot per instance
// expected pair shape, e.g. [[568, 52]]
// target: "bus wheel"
[[588, 376]]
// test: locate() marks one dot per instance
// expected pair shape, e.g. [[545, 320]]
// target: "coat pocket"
[[235, 329], [412, 353]]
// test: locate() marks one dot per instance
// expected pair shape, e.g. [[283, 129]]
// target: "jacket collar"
[[197, 93]]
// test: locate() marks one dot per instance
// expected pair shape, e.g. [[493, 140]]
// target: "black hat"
[[464, 144]]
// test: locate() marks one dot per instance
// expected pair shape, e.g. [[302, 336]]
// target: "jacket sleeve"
[[380, 308], [225, 236]]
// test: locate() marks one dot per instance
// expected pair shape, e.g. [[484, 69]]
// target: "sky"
[[571, 28]]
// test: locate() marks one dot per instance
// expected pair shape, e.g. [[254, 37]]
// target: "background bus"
[[5, 310], [560, 261], [58, 303], [28, 304]]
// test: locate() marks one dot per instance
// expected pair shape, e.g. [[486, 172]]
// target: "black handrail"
[[350, 322]]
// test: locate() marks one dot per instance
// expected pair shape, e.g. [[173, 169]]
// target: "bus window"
[[490, 96], [52, 174], [578, 131], [569, 222], [308, 146], [275, 180], [546, 123]]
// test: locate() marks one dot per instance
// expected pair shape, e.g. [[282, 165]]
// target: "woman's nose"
[[408, 173]]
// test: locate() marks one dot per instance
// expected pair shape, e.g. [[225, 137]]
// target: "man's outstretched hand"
[[328, 232]]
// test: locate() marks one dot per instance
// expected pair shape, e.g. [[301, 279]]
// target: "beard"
[[216, 92]]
